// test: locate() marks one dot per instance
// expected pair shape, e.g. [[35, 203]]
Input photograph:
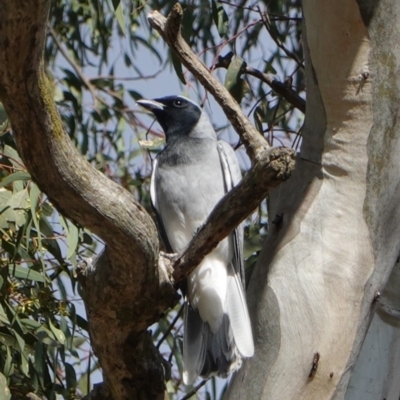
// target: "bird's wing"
[[236, 297], [232, 176], [154, 203]]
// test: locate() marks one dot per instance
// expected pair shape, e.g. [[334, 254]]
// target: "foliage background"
[[101, 55]]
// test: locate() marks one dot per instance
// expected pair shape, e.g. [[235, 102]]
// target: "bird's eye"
[[178, 103]]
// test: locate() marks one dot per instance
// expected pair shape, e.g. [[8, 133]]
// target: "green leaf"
[[24, 365], [3, 316], [5, 195], [12, 154], [59, 335], [7, 340], [47, 337], [220, 18], [20, 272], [187, 25], [8, 366], [30, 323], [72, 236], [47, 209], [20, 340], [177, 67], [82, 323], [233, 82], [6, 212], [39, 364], [257, 121], [119, 13], [34, 197], [5, 393], [269, 68], [19, 203], [70, 376], [16, 176]]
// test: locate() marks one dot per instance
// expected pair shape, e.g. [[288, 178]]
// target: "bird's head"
[[177, 115]]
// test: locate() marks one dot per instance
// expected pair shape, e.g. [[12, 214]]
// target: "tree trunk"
[[315, 287]]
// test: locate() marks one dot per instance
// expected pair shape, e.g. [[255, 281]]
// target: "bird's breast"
[[187, 192]]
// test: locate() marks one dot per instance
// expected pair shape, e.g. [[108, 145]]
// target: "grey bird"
[[190, 176]]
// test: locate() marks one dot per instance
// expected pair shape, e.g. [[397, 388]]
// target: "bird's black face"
[[177, 115]]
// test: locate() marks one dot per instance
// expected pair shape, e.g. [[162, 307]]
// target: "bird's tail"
[[206, 353]]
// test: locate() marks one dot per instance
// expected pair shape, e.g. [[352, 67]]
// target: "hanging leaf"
[[177, 67], [233, 82], [72, 233], [220, 18], [24, 363], [70, 376], [12, 154], [59, 335], [19, 203], [119, 13], [16, 176], [3, 316], [21, 272], [20, 341], [8, 365], [6, 212], [5, 393], [257, 121]]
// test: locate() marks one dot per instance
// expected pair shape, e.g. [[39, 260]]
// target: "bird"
[[189, 177]]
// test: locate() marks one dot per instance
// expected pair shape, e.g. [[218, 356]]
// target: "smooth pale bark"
[[314, 289], [377, 371]]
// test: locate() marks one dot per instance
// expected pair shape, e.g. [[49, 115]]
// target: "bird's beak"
[[151, 105]]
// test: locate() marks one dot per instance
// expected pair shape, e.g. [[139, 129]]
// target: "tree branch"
[[277, 86], [270, 166]]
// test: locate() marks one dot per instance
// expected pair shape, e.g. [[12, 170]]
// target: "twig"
[[171, 326], [267, 24], [277, 86], [195, 390], [73, 64]]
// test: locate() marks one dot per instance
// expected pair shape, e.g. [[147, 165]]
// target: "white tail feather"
[[239, 317]]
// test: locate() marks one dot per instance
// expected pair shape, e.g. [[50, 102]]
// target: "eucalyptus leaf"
[[16, 176], [5, 393], [177, 67], [13, 155], [21, 272], [58, 334]]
